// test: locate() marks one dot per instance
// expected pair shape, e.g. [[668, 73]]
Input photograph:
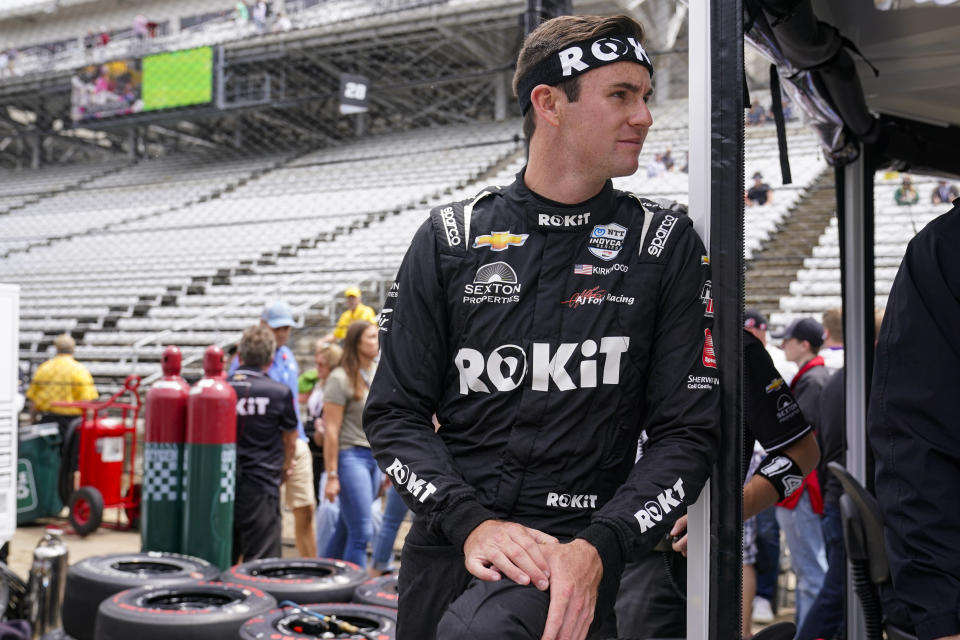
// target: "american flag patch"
[[583, 269]]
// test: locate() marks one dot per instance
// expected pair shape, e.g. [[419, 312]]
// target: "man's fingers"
[[540, 537], [478, 569], [680, 526], [559, 596], [680, 546]]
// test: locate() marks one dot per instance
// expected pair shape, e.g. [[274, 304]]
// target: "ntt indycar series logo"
[[606, 240], [406, 479], [505, 368], [495, 282], [659, 241]]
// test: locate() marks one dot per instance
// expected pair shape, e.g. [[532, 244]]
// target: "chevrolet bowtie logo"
[[500, 240]]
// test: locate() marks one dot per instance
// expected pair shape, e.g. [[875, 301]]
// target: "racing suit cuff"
[[939, 624], [605, 540], [462, 519]]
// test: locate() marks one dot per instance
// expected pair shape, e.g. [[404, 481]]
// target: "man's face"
[[352, 302], [794, 349], [281, 335], [605, 128]]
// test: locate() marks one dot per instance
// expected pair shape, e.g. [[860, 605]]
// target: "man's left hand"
[[575, 573]]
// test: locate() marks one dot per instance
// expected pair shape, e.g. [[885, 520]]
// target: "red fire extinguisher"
[[164, 435], [210, 462]]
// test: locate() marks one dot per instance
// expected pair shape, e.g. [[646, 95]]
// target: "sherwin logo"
[[450, 227], [418, 487], [505, 368], [572, 500], [660, 236], [653, 511], [576, 220]]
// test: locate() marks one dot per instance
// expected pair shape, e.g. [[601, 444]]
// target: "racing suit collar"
[[550, 216]]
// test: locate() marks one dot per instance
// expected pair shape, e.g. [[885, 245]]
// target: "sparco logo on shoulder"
[[450, 226], [556, 220], [505, 368], [653, 511], [418, 487], [655, 248]]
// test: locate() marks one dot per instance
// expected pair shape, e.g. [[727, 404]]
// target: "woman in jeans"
[[352, 473]]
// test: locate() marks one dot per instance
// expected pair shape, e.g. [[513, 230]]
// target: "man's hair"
[[558, 33], [65, 343], [257, 347], [833, 323]]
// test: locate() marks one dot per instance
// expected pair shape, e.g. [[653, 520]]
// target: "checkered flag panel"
[[161, 477], [228, 473]]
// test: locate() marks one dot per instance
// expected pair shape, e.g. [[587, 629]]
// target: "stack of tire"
[[157, 596]]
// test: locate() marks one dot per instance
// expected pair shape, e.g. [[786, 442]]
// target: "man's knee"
[[502, 610]]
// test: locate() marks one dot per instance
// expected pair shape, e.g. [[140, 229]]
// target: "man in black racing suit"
[[547, 325]]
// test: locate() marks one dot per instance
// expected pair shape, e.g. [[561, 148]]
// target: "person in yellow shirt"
[[356, 310], [60, 379]]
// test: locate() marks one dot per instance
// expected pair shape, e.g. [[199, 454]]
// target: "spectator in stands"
[[656, 166], [912, 429], [686, 162], [282, 23], [140, 28], [757, 114], [89, 42], [266, 446], [9, 60], [832, 349], [826, 614], [103, 39], [787, 108], [241, 14], [760, 193], [667, 160], [327, 356], [906, 193], [799, 515], [352, 473], [260, 16], [60, 379], [299, 492], [356, 310], [944, 193]]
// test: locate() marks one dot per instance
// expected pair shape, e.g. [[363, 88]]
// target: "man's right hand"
[[498, 548]]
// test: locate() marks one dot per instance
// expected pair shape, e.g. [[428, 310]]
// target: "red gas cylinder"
[[164, 435], [210, 463]]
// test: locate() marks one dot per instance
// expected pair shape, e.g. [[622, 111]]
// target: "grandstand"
[[175, 226]]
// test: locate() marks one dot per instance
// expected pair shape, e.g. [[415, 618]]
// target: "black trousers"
[[441, 600], [256, 522], [651, 602]]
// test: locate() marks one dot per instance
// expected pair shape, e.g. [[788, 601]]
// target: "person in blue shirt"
[[300, 495]]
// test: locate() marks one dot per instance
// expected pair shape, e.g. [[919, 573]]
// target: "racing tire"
[[86, 510], [13, 595], [294, 623], [300, 580], [380, 591], [198, 611], [94, 579]]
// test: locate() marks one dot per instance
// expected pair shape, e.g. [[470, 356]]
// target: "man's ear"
[[545, 100]]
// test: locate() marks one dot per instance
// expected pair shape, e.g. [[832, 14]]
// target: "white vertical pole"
[[698, 549], [9, 357], [854, 315]]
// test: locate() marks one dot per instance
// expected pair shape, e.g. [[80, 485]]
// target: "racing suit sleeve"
[[682, 413], [405, 393]]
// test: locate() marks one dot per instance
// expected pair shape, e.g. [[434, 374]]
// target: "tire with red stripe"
[[380, 591], [299, 623], [92, 580], [299, 580], [199, 611]]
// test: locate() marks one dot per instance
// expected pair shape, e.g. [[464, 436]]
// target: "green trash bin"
[[38, 467]]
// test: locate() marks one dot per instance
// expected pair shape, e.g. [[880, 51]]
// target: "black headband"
[[579, 58]]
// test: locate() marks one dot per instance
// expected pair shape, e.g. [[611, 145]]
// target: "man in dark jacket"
[[547, 325], [266, 444], [799, 515], [912, 428]]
